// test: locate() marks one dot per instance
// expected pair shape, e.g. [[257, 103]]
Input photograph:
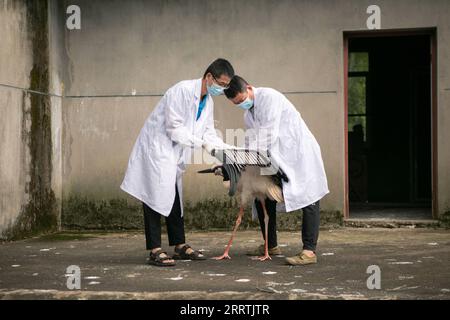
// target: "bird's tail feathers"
[[275, 193]]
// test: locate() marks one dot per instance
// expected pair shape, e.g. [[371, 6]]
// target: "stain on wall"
[[81, 213], [40, 214]]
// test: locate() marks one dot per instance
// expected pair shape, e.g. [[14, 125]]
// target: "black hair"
[[220, 67], [237, 85]]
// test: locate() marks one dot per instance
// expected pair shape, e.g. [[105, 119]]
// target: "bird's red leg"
[[266, 232], [236, 226]]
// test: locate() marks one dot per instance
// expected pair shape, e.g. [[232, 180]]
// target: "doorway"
[[389, 125]]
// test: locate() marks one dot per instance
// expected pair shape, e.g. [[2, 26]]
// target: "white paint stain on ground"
[[282, 245], [298, 290], [269, 272], [35, 274], [275, 284], [214, 274], [270, 289], [432, 243], [91, 277], [177, 278], [403, 287], [15, 265], [405, 277], [328, 254], [133, 275], [242, 280], [402, 262], [93, 283], [445, 290]]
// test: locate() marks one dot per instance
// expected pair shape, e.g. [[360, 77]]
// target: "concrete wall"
[[293, 46], [30, 196], [14, 152], [104, 80]]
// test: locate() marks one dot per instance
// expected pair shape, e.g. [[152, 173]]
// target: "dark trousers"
[[310, 225], [272, 226], [174, 223]]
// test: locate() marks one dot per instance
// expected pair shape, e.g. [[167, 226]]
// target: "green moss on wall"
[[40, 214], [444, 220], [118, 214]]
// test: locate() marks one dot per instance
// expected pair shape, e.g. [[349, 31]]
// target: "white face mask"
[[246, 104], [215, 89]]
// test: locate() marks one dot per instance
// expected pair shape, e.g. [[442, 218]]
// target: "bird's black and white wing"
[[235, 160]]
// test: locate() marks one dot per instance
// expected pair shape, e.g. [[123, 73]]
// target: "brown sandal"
[[180, 254], [157, 260]]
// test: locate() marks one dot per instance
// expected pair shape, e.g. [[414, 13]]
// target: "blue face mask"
[[246, 104], [215, 89]]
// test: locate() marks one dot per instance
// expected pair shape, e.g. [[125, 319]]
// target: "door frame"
[[431, 32]]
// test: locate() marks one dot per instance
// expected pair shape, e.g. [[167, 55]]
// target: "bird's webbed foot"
[[222, 257], [264, 258]]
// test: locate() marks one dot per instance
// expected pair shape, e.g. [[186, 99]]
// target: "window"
[[357, 88], [358, 62]]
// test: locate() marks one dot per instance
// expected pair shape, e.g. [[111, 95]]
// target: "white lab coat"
[[164, 146], [291, 144]]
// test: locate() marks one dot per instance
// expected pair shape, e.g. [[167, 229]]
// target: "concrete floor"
[[414, 264], [393, 213]]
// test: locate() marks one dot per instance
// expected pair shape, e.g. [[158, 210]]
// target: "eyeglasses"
[[222, 84]]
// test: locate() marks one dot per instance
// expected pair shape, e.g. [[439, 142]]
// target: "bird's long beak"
[[206, 171]]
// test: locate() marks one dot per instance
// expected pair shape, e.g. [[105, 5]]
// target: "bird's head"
[[218, 170]]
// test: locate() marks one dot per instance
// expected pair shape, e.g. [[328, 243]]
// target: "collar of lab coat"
[[197, 96], [248, 113], [255, 92], [198, 88]]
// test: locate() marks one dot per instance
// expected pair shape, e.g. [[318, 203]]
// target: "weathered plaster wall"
[[28, 203], [147, 46]]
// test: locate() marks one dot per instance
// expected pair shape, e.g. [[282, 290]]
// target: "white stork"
[[250, 175]]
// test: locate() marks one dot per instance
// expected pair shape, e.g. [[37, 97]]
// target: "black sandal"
[[157, 260], [180, 254]]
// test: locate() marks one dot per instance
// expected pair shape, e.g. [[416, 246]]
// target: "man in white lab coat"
[[182, 120], [274, 124]]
